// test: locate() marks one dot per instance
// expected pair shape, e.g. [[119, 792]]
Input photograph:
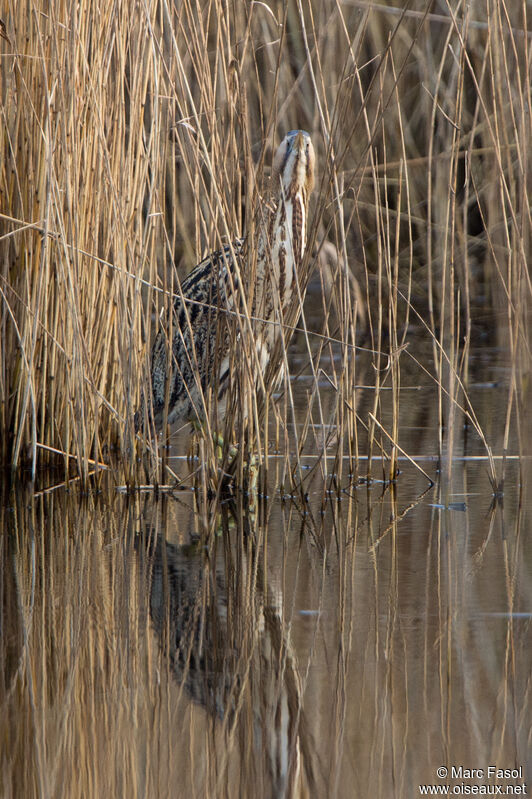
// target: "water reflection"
[[11, 623], [344, 647], [221, 624]]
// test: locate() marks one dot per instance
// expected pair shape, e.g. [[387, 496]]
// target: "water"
[[346, 645]]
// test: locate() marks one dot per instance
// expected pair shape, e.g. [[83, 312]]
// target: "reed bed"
[[138, 137]]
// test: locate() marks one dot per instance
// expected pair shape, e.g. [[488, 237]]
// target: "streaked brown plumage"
[[201, 347]]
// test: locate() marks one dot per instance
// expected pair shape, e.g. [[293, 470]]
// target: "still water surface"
[[348, 646]]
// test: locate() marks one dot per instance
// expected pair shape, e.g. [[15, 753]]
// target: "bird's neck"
[[280, 252]]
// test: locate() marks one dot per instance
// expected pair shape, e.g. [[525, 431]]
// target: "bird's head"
[[293, 164]]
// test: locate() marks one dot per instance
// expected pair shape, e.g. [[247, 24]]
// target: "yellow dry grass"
[[136, 137]]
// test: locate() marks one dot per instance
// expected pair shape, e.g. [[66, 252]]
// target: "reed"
[[136, 138]]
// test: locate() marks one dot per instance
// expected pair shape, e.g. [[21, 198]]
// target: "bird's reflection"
[[222, 629]]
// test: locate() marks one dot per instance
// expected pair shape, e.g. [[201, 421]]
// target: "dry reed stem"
[[136, 139]]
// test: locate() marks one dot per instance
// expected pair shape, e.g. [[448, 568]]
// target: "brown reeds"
[[136, 138]]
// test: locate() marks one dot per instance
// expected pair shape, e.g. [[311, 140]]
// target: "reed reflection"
[[220, 625]]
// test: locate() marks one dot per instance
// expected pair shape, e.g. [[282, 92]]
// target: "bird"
[[194, 350]]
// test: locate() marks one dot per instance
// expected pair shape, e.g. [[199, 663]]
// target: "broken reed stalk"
[[140, 137]]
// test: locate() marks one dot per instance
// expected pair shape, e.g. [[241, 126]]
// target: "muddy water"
[[350, 645]]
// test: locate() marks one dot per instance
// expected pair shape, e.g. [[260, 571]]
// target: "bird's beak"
[[300, 142]]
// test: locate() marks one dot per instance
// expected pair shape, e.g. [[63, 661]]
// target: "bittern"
[[195, 359]]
